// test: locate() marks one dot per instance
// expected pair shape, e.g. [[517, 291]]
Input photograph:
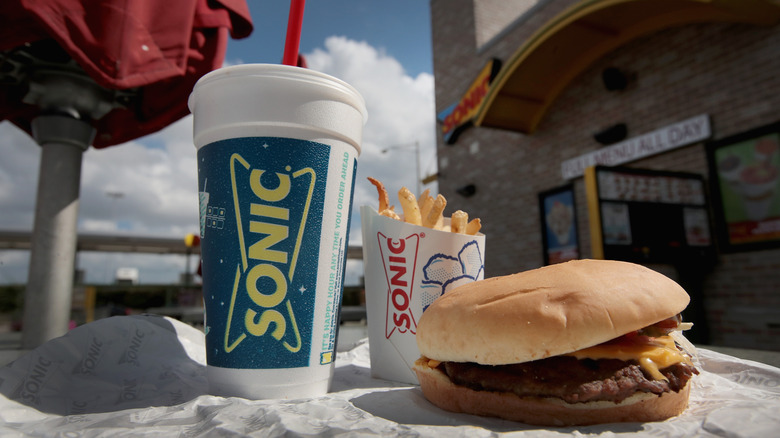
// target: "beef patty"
[[568, 378]]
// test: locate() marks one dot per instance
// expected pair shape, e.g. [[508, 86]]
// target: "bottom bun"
[[642, 407]]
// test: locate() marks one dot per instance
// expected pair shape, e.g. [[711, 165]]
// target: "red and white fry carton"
[[406, 268]]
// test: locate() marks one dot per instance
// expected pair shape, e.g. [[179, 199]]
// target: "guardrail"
[[10, 239]]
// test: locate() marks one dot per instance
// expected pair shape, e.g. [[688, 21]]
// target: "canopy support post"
[[47, 300]]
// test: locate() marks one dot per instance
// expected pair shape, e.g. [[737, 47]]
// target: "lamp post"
[[409, 146]]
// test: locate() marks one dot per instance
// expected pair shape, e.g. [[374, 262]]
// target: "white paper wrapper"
[[106, 380], [406, 268]]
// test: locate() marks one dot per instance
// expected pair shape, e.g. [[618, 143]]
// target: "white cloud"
[[148, 187], [155, 188], [401, 111], [18, 177]]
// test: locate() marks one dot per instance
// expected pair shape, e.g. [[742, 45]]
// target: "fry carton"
[[406, 268]]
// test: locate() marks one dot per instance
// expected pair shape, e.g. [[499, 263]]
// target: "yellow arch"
[[565, 46]]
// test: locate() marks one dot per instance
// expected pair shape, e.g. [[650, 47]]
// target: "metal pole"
[[416, 146], [47, 299]]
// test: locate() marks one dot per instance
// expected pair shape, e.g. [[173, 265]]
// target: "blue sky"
[[400, 28], [381, 47]]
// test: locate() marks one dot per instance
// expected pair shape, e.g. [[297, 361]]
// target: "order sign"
[[667, 138]]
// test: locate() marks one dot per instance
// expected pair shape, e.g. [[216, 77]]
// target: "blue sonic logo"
[[274, 192], [273, 307]]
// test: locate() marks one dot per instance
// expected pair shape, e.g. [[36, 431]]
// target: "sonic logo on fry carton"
[[399, 257], [440, 273]]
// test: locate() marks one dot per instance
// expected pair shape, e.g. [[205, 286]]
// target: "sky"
[[148, 187]]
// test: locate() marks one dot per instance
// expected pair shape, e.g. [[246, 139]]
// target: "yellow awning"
[[535, 75]]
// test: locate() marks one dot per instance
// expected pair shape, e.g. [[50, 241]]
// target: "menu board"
[[648, 216], [624, 186], [745, 180]]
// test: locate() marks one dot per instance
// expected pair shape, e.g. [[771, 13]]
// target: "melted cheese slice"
[[652, 357]]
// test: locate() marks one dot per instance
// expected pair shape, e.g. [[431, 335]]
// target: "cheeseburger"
[[577, 343]]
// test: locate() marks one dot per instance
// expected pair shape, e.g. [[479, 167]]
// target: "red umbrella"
[[157, 50], [75, 73]]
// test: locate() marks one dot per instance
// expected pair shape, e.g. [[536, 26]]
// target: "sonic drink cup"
[[406, 268], [277, 155]]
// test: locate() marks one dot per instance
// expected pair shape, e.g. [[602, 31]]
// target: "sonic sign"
[[458, 116]]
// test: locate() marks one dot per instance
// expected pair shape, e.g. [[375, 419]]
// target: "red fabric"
[[162, 46]]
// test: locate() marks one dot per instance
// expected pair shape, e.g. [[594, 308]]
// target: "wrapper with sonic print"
[[406, 267]]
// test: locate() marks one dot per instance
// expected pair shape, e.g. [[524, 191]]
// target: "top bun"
[[546, 312]]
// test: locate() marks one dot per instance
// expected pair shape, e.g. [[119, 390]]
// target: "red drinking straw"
[[293, 40]]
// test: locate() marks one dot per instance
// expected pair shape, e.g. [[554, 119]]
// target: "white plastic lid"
[[271, 95]]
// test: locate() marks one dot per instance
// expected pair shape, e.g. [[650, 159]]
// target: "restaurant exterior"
[[637, 130]]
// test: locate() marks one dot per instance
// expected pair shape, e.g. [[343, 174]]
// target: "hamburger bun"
[[642, 407], [546, 312], [539, 314]]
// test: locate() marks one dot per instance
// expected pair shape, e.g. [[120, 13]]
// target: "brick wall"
[[729, 71], [491, 17]]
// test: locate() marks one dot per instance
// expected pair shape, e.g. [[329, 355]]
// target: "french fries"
[[384, 200], [426, 211], [474, 226], [426, 203], [435, 217], [459, 221], [409, 204]]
